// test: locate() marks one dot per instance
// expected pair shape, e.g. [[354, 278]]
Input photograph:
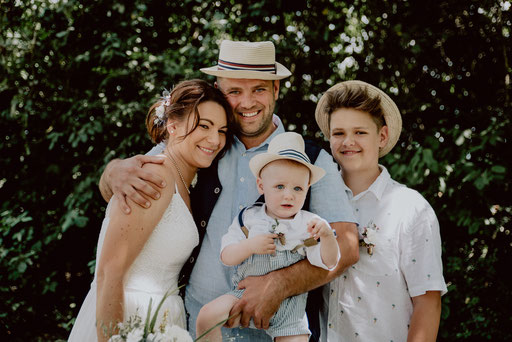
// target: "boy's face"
[[285, 185], [355, 140]]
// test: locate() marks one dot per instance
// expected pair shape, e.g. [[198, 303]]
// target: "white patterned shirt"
[[371, 301]]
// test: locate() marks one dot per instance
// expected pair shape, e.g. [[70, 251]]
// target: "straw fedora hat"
[[253, 60], [288, 146], [390, 110]]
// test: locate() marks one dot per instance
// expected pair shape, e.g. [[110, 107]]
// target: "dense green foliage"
[[76, 81]]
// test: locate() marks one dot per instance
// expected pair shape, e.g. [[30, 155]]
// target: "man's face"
[[253, 103]]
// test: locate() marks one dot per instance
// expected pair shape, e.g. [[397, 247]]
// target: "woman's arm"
[[425, 317], [124, 239]]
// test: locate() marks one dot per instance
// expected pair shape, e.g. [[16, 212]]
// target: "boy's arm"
[[126, 178], [425, 318], [264, 294], [235, 253]]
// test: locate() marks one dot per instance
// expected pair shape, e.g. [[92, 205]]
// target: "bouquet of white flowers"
[[134, 330]]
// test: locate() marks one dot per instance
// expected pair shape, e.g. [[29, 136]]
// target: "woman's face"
[[355, 140], [201, 146]]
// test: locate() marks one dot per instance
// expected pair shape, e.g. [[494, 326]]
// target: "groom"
[[248, 75]]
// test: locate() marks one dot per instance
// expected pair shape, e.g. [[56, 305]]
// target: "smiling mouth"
[[349, 152], [207, 150], [249, 115]]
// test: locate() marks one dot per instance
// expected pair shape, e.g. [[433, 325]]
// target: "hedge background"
[[76, 81]]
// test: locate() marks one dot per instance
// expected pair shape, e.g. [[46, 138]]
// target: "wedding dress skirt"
[[154, 272]]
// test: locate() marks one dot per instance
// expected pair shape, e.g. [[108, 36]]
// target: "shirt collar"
[[377, 188], [379, 185], [264, 145]]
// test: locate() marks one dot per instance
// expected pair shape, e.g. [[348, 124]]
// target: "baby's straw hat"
[[288, 146]]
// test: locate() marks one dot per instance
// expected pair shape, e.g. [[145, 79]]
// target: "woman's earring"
[[172, 132]]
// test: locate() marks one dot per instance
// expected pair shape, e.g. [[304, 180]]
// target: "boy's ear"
[[259, 185], [384, 136]]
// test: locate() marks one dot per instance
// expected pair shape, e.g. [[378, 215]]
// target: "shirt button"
[[244, 154], [357, 209], [203, 223], [242, 179], [330, 325], [240, 207], [191, 260], [216, 190]]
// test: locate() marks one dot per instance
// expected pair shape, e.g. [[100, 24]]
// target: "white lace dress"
[[154, 272]]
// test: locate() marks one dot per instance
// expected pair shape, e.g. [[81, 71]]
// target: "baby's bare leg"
[[211, 314], [294, 338]]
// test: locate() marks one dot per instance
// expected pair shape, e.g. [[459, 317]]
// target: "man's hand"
[[126, 178], [263, 244], [261, 299]]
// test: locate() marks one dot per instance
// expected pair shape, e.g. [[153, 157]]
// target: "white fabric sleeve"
[[314, 256], [314, 253], [420, 246], [233, 235], [157, 149]]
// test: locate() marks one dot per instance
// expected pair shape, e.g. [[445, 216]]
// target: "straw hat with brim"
[[289, 146], [390, 110], [252, 60]]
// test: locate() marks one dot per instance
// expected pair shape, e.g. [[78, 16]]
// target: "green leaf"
[[498, 169]]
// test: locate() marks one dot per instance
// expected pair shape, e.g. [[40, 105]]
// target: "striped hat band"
[[294, 154], [226, 65]]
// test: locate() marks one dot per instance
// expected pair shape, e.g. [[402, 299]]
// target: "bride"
[[140, 255]]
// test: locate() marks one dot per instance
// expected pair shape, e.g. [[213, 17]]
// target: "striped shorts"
[[290, 319]]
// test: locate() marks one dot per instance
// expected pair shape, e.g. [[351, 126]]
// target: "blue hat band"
[[294, 154]]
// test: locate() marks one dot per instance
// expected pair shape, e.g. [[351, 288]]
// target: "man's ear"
[[259, 185], [384, 136], [275, 87]]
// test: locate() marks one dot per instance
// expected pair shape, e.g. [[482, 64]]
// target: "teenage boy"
[[393, 293]]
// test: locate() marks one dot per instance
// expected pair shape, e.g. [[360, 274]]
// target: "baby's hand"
[[263, 244], [319, 228]]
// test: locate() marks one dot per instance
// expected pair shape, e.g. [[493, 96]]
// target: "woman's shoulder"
[[162, 170]]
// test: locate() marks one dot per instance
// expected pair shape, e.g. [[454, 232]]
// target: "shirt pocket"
[[384, 260]]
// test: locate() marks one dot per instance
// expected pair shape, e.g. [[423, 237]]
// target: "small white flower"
[[370, 236], [135, 335], [115, 338], [157, 337], [159, 112], [176, 334]]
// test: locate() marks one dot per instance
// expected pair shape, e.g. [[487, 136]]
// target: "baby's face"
[[285, 185]]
